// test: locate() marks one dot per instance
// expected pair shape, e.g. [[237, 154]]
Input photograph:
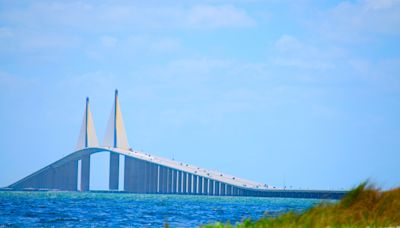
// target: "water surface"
[[117, 209]]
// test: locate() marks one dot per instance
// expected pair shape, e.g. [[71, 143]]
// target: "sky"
[[303, 94]]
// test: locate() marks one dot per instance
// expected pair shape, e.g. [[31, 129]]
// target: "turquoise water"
[[116, 209]]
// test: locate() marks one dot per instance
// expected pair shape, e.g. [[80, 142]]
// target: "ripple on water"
[[114, 209]]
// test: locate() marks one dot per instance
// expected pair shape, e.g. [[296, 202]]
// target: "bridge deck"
[[41, 178]]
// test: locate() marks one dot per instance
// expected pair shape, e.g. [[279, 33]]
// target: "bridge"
[[144, 173]]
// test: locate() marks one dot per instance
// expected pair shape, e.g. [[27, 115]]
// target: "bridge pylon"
[[116, 138], [87, 136], [116, 134]]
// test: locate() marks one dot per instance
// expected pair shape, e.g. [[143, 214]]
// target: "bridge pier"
[[85, 173], [127, 172], [217, 188], [174, 181], [114, 171], [72, 174], [223, 186], [211, 183], [178, 182], [189, 191], [201, 185], [184, 180], [170, 180], [195, 185], [146, 176]]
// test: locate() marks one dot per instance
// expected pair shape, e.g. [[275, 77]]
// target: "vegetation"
[[364, 206]]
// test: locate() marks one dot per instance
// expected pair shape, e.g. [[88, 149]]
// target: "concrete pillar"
[[195, 185], [73, 176], [58, 178], [201, 191], [217, 190], [171, 181], [165, 176], [85, 173], [206, 186], [128, 174], [140, 176], [153, 178], [223, 189], [174, 181], [135, 176], [178, 182], [134, 179], [228, 190], [184, 182], [189, 183], [211, 187], [61, 176], [163, 181], [158, 179], [46, 179], [114, 171], [168, 180], [146, 179]]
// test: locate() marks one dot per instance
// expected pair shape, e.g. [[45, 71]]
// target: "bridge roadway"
[[145, 173]]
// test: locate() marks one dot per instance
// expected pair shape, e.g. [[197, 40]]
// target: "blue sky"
[[296, 93]]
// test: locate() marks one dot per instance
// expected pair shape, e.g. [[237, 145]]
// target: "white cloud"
[[117, 16], [218, 16], [198, 65], [379, 72], [38, 41], [12, 82], [92, 82], [108, 41], [288, 43], [5, 32], [165, 45], [359, 21], [380, 4], [294, 53]]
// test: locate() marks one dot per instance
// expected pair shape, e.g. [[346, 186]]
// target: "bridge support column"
[[127, 173], [217, 184], [178, 182], [223, 189], [146, 176], [195, 185], [211, 184], [184, 181], [201, 191], [114, 171], [140, 176], [152, 178], [73, 176], [205, 183], [174, 182], [228, 190], [85, 173], [189, 183], [168, 181], [162, 180]]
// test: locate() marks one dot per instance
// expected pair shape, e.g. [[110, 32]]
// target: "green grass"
[[364, 206]]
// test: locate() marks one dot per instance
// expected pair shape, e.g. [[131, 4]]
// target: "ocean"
[[72, 209]]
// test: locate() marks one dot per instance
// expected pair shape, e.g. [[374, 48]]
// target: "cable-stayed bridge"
[[144, 173]]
